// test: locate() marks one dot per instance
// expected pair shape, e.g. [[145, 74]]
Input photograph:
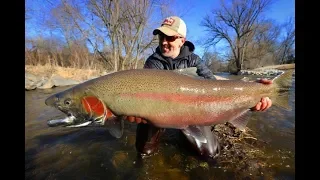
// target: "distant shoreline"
[[85, 74], [278, 67]]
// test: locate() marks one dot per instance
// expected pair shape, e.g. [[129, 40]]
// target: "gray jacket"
[[185, 59]]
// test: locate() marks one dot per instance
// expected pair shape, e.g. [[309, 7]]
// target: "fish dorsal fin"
[[115, 126], [191, 71], [245, 79], [241, 120], [220, 77]]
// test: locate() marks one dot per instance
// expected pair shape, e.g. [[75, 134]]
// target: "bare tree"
[[234, 22], [118, 33], [124, 23], [286, 46], [263, 45], [214, 61]]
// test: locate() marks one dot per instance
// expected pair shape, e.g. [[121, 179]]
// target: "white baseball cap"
[[172, 26]]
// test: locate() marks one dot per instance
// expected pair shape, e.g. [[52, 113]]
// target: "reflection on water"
[[91, 153]]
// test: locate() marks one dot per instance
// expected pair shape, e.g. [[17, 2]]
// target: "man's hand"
[[135, 119], [263, 105], [265, 102]]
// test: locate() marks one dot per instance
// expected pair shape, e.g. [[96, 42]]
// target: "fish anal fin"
[[115, 126], [241, 120]]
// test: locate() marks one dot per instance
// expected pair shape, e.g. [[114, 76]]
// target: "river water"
[[91, 153]]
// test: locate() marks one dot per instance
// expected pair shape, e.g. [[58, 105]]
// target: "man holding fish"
[[174, 52], [163, 95]]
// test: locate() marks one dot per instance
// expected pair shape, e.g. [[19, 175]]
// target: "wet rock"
[[29, 85], [32, 82], [31, 77], [60, 81], [46, 85]]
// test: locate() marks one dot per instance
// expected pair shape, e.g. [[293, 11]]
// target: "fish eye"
[[67, 102]]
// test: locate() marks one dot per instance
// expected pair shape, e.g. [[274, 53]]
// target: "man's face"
[[170, 45]]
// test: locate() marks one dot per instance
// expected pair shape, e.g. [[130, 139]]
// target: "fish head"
[[69, 102], [81, 108]]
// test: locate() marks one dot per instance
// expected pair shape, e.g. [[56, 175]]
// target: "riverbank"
[[47, 71], [48, 76]]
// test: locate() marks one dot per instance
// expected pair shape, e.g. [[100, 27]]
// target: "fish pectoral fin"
[[115, 126], [203, 139], [241, 120], [195, 132]]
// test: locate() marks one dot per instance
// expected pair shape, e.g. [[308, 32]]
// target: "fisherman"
[[174, 52]]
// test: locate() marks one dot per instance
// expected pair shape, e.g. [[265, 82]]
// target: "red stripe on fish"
[[202, 118], [185, 98]]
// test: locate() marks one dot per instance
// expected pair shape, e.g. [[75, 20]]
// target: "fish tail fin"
[[284, 80], [283, 83], [282, 101], [203, 139], [115, 126]]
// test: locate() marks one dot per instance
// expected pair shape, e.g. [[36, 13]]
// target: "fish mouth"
[[71, 121]]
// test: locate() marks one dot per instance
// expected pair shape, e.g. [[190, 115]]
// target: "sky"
[[192, 13], [279, 11]]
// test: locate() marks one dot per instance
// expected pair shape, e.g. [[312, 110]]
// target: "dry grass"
[[70, 73]]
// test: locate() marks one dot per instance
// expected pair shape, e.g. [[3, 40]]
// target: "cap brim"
[[165, 30]]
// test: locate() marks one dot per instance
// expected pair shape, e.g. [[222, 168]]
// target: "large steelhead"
[[164, 98]]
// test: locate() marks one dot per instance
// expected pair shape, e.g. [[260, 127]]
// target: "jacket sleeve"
[[202, 69]]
